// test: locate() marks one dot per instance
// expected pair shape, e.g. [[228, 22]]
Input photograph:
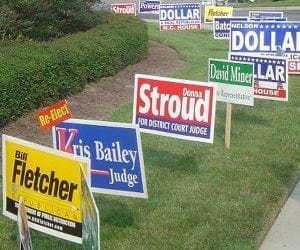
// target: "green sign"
[[234, 80], [223, 71]]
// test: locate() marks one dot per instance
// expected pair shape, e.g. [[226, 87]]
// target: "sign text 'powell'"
[[174, 107], [149, 6]]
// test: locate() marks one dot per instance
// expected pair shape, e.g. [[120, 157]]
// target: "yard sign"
[[149, 6], [270, 76], [50, 183], [117, 165], [175, 107], [266, 39], [222, 26], [178, 17], [234, 81], [124, 8]]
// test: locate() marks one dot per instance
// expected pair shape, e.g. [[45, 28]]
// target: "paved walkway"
[[285, 232]]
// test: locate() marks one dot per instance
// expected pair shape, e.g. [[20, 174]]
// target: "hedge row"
[[36, 74]]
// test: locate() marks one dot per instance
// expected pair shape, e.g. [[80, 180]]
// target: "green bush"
[[43, 19], [34, 74]]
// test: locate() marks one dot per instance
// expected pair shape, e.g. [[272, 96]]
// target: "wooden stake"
[[228, 125]]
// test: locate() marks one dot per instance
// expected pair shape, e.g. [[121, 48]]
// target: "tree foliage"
[[45, 19]]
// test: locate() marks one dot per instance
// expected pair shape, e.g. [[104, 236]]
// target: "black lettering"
[[29, 175], [54, 180], [42, 182], [63, 190], [43, 189], [36, 178], [18, 172], [73, 186]]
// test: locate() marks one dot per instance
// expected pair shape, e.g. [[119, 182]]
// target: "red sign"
[[54, 114], [175, 107], [294, 67], [124, 8]]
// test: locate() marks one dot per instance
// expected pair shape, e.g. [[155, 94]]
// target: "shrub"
[[43, 19], [33, 74]]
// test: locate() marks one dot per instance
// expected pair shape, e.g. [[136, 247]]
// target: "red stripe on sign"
[[99, 172]]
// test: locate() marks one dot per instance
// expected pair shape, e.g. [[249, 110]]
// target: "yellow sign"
[[50, 183], [211, 12]]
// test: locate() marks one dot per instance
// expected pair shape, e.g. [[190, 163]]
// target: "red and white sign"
[[294, 67], [174, 107], [54, 114], [124, 8]]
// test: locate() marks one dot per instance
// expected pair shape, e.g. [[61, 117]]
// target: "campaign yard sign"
[[149, 6], [174, 107], [124, 8], [234, 80], [263, 15], [270, 76], [117, 165], [54, 114], [91, 219], [49, 181], [294, 67], [266, 38], [222, 26], [210, 12], [178, 17]]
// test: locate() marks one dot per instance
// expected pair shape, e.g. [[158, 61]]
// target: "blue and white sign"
[[185, 16], [259, 15], [115, 151], [270, 76], [266, 38], [222, 26], [283, 19], [149, 6]]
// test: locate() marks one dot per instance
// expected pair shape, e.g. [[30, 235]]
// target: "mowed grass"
[[201, 196]]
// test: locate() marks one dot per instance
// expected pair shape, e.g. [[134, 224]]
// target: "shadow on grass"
[[245, 117], [114, 212], [166, 159]]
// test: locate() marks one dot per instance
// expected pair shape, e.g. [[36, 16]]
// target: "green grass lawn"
[[201, 196]]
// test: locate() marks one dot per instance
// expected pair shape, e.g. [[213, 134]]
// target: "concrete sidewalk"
[[285, 232]]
